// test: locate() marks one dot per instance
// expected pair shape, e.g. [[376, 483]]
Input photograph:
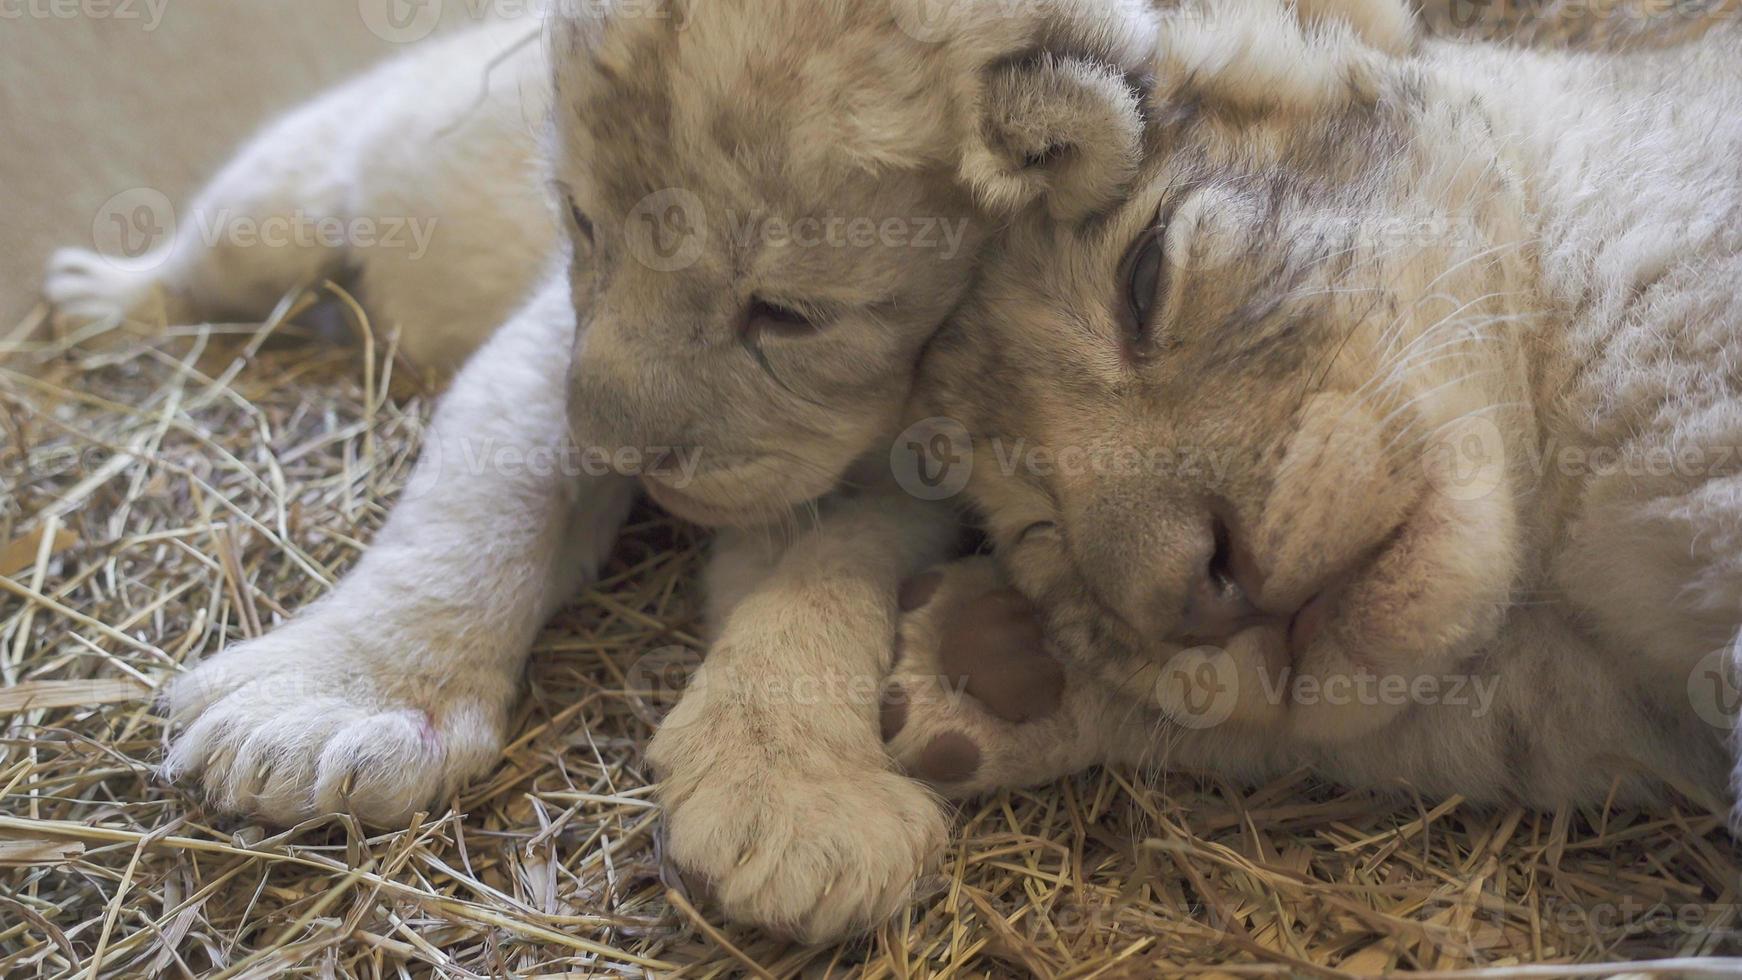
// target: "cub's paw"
[[321, 717], [802, 845], [976, 701], [83, 288]]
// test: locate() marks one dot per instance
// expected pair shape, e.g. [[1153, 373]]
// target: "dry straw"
[[164, 498]]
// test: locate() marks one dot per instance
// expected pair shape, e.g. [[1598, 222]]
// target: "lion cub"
[[1389, 424], [719, 235]]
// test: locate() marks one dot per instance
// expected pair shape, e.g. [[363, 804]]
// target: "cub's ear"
[[1062, 129], [1051, 90]]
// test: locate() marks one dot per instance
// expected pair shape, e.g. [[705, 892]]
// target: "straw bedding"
[[161, 499]]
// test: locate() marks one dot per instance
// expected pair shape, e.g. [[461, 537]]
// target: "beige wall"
[[98, 97]]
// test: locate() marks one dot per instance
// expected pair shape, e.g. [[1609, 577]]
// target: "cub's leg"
[[293, 174], [780, 800], [386, 695], [421, 175], [976, 703]]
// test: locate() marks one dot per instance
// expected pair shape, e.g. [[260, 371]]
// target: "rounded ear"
[[1063, 129], [1051, 92]]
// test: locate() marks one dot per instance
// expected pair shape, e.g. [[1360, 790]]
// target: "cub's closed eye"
[[583, 224], [1145, 281], [772, 318]]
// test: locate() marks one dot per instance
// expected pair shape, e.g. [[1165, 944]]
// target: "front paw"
[[976, 701], [800, 844], [328, 717]]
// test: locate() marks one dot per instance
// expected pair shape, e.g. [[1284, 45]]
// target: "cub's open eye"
[[772, 318], [583, 224], [1144, 274]]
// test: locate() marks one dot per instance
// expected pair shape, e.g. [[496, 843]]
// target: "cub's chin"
[[748, 495]]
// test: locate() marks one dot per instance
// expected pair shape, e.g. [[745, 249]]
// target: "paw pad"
[[995, 644], [948, 758], [916, 592]]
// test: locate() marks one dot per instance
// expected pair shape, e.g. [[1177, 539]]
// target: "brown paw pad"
[[948, 758], [995, 645], [919, 590]]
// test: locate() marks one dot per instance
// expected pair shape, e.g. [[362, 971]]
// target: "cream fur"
[[386, 695], [1489, 254]]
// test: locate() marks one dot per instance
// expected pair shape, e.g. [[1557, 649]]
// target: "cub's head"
[[1246, 434], [775, 203]]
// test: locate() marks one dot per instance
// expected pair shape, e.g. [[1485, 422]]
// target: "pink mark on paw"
[[425, 727]]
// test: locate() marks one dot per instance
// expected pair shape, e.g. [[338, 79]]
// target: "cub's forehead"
[[787, 93]]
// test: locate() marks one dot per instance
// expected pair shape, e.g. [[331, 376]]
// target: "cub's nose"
[[1220, 602]]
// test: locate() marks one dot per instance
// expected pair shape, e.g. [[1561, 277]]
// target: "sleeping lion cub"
[[1389, 425], [629, 196]]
